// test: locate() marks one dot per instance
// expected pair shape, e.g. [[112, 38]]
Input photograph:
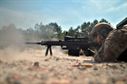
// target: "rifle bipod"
[[48, 49]]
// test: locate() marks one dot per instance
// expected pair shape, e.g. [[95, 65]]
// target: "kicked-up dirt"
[[30, 66]]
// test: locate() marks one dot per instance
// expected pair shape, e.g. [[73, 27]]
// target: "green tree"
[[103, 20], [92, 24], [71, 31], [85, 26], [49, 31], [95, 22], [57, 29]]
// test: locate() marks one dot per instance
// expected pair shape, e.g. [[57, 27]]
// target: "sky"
[[67, 13]]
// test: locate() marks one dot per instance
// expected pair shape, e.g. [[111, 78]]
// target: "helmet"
[[102, 29], [99, 33]]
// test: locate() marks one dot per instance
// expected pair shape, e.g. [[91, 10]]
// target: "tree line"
[[47, 32], [53, 30]]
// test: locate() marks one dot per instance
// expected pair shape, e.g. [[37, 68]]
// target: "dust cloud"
[[11, 36], [11, 42]]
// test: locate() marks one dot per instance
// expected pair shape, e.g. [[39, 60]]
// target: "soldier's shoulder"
[[118, 33]]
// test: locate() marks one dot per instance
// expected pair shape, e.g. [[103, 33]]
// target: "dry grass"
[[30, 66]]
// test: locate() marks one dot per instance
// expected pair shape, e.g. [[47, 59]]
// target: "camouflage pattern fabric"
[[99, 33], [115, 44]]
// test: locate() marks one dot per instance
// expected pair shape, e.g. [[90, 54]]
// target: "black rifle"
[[122, 23], [73, 45]]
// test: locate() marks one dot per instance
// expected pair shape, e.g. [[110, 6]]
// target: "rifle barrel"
[[39, 43], [63, 43]]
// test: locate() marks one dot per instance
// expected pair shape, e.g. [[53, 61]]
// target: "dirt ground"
[[30, 66]]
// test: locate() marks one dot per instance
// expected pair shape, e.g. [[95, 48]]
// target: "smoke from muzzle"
[[11, 36]]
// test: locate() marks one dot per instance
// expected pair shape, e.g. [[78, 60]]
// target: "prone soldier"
[[112, 43]]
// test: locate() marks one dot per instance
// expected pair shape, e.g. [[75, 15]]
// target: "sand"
[[30, 66]]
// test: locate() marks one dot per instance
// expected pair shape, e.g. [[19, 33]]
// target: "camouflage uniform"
[[114, 48], [100, 32]]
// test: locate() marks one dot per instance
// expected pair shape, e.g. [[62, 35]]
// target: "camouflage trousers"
[[115, 44]]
